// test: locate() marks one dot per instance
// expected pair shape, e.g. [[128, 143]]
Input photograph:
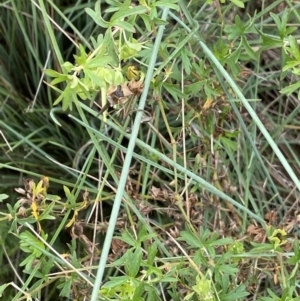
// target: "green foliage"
[[192, 223], [3, 197], [238, 3], [30, 244], [277, 238], [203, 289], [237, 33], [281, 23], [293, 64], [89, 74]]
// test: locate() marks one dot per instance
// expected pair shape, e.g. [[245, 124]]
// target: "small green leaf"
[[236, 30], [152, 251], [65, 287], [138, 292], [127, 53], [118, 78], [108, 75], [47, 213], [133, 263], [174, 91], [74, 82], [83, 87], [294, 48], [80, 59], [158, 21], [146, 21], [221, 50], [238, 3], [60, 79], [239, 293], [248, 49], [229, 144], [48, 264], [128, 238], [70, 196], [268, 41], [194, 88], [98, 42], [209, 90], [127, 10], [282, 24], [278, 238], [58, 99], [295, 260], [167, 3], [144, 236], [28, 262], [98, 61], [203, 289], [152, 294], [69, 97], [153, 13], [191, 239], [134, 44], [124, 25], [67, 66], [186, 59], [111, 49], [290, 30], [222, 241], [53, 73], [30, 244], [153, 271], [96, 15], [291, 88], [115, 282], [3, 287], [3, 197]]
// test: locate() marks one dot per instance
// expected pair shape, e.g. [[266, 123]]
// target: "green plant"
[[200, 204]]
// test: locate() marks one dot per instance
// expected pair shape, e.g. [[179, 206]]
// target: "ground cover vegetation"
[[149, 150]]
